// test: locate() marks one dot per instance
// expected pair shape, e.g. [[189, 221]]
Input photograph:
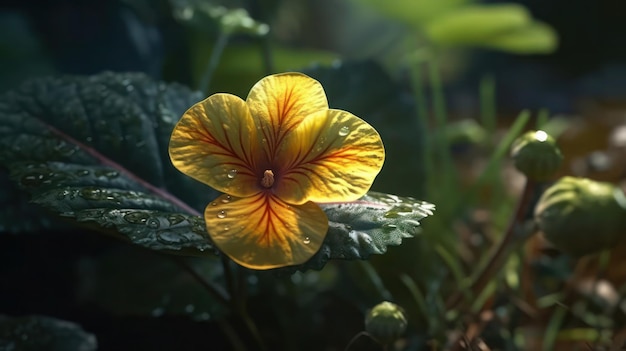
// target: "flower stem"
[[354, 339], [511, 238], [212, 289], [214, 60], [238, 305]]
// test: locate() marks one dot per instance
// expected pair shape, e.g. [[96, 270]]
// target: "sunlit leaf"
[[536, 38], [413, 12], [368, 226], [33, 333], [474, 23], [506, 27]]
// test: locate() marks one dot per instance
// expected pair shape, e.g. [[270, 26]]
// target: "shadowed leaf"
[[32, 333]]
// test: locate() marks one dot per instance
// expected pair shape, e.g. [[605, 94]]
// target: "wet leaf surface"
[[94, 149], [367, 226]]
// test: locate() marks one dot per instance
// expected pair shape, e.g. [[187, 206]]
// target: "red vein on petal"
[[268, 219], [108, 162], [208, 138]]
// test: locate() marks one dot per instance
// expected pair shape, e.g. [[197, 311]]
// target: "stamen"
[[268, 178]]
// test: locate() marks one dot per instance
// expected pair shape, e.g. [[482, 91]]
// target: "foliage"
[[83, 155]]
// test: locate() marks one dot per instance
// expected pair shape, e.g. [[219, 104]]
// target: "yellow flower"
[[274, 156]]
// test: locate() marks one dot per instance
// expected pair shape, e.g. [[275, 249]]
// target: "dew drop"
[[226, 199], [136, 217], [232, 173], [306, 240], [221, 214], [175, 219], [170, 238], [226, 228], [343, 131], [63, 194], [213, 203], [32, 179], [153, 223]]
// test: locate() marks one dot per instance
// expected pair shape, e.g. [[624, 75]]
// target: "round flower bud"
[[536, 154], [386, 322], [581, 216]]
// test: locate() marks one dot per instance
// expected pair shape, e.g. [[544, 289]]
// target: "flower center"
[[268, 178]]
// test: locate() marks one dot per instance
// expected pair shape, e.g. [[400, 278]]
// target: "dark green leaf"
[[130, 281], [35, 333], [85, 147]]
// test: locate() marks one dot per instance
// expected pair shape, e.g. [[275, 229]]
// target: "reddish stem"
[[502, 250]]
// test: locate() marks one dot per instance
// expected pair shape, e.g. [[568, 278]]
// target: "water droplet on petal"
[[343, 131], [221, 214], [226, 199], [306, 240], [213, 203], [226, 228], [232, 173]]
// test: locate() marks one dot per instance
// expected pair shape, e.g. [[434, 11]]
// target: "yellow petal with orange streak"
[[331, 156], [216, 142], [280, 102], [263, 232]]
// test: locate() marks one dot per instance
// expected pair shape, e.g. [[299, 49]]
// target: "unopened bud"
[[581, 216], [536, 155], [386, 322]]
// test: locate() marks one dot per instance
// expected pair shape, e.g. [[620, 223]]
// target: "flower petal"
[[282, 101], [263, 232], [216, 142], [332, 156]]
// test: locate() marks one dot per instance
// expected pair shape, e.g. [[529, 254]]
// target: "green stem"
[[214, 60], [354, 339], [268, 58], [252, 328], [213, 290], [422, 116], [238, 300], [441, 119], [488, 104], [228, 276]]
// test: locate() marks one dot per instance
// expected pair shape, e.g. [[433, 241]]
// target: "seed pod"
[[536, 155], [581, 216], [386, 322]]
